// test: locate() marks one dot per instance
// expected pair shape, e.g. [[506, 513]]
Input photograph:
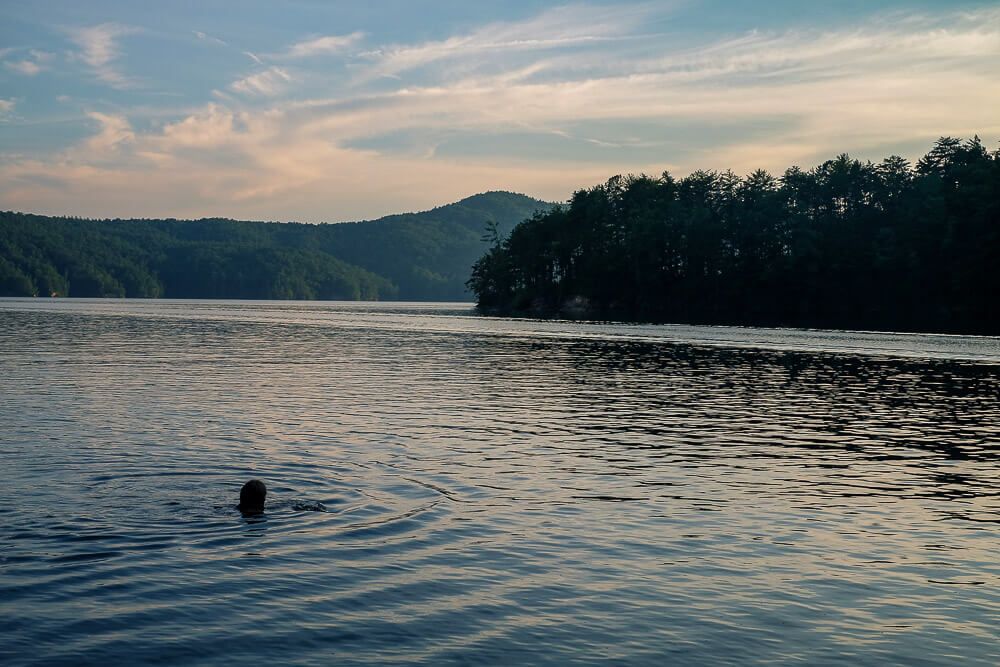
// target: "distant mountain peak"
[[499, 198], [493, 195]]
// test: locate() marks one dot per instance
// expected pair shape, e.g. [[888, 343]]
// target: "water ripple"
[[448, 489]]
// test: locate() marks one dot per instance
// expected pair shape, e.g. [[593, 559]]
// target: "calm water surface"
[[449, 489]]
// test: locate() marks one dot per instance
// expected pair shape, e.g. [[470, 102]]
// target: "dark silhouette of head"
[[252, 497]]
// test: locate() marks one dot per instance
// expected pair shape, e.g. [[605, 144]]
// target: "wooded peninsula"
[[848, 244]]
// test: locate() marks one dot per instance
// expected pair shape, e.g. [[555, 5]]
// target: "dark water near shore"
[[447, 489]]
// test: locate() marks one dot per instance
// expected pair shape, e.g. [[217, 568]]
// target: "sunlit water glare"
[[453, 489]]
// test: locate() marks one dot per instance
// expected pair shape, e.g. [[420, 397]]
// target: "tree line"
[[847, 244]]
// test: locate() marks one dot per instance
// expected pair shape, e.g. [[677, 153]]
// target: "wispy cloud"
[[267, 83], [322, 45], [6, 106], [100, 50], [115, 131], [35, 62], [25, 67], [558, 28], [205, 37]]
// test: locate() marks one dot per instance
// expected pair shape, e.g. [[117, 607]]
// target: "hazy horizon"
[[391, 214], [316, 113]]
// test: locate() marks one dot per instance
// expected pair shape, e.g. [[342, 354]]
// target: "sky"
[[317, 111]]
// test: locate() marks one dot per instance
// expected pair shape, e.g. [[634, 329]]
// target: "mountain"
[[411, 256], [429, 255]]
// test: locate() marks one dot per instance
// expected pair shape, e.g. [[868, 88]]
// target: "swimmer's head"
[[252, 497]]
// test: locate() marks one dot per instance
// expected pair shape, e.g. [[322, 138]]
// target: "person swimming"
[[252, 497]]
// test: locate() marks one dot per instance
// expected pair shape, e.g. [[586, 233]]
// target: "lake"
[[452, 489]]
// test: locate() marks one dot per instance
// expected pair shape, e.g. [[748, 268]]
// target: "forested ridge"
[[848, 244], [414, 256]]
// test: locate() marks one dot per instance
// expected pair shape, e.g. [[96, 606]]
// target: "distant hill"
[[411, 256], [429, 255]]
